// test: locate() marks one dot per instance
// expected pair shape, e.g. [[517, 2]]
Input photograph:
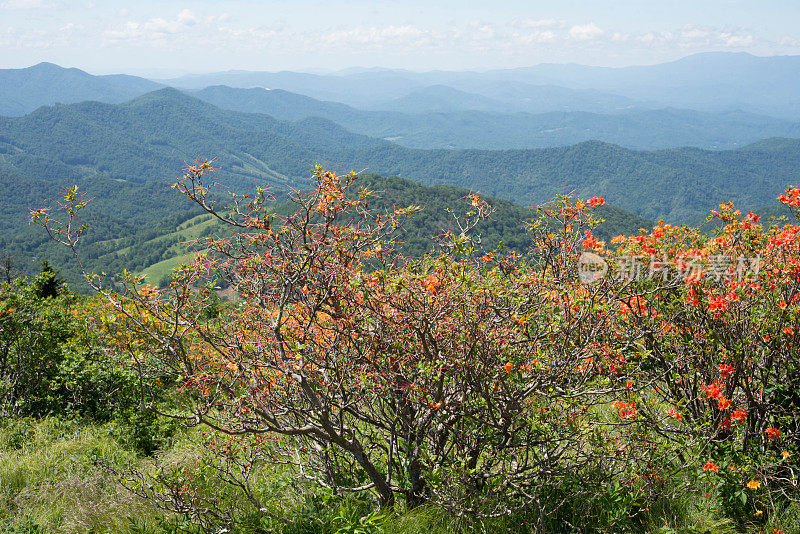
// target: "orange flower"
[[591, 242], [786, 455], [627, 409], [723, 403], [739, 415], [509, 367], [710, 466], [595, 201], [431, 283], [675, 414], [772, 433], [712, 391], [754, 484], [717, 304], [725, 370]]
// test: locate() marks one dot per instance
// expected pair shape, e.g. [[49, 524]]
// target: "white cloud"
[[27, 4], [375, 37], [187, 17], [692, 35], [159, 31], [618, 37], [790, 41], [736, 41], [538, 23], [585, 32], [537, 37]]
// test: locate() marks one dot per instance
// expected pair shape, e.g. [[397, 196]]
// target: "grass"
[[53, 479], [154, 273]]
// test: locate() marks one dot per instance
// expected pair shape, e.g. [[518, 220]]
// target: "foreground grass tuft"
[[53, 480]]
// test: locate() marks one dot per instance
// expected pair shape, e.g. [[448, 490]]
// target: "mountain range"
[[147, 138], [714, 81], [458, 129], [523, 135], [491, 110]]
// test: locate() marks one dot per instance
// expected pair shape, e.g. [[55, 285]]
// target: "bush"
[[481, 384]]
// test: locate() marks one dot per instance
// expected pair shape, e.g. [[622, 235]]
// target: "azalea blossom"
[[710, 466]]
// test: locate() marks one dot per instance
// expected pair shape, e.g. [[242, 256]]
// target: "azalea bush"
[[573, 378], [715, 327]]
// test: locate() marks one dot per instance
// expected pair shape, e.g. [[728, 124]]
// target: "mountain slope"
[[147, 139], [24, 90]]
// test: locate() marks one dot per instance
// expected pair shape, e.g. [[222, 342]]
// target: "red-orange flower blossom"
[[710, 466]]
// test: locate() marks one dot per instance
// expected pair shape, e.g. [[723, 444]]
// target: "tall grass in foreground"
[[53, 480]]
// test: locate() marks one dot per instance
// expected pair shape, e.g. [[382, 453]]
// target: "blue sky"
[[166, 37]]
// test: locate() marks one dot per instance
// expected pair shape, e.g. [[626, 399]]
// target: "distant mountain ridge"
[[714, 81], [494, 110], [436, 128], [24, 90]]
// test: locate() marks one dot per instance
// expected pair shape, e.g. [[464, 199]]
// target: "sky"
[[167, 38]]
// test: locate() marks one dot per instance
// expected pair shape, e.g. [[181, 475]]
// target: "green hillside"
[[150, 228], [126, 155], [148, 138]]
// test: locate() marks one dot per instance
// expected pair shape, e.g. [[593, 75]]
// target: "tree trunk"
[[385, 493]]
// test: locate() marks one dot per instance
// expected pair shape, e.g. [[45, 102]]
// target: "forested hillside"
[[145, 139], [148, 228]]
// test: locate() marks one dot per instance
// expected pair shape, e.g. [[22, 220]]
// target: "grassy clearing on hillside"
[[185, 235], [157, 271]]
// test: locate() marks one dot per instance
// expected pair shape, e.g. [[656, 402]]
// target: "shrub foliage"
[[473, 380]]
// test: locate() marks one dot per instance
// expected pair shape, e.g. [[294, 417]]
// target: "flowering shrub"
[[478, 380]]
